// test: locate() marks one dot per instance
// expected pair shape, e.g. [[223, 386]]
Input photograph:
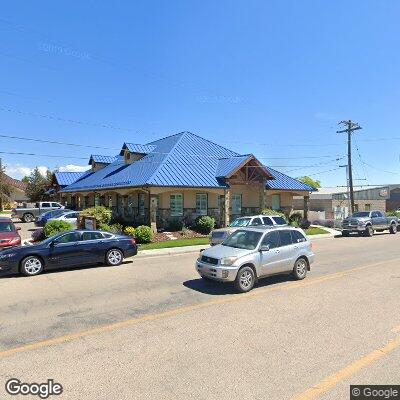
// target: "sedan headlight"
[[228, 260]]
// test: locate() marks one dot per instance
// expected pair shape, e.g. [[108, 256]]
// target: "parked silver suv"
[[252, 253], [219, 235]]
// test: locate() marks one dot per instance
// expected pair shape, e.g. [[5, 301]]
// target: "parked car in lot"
[[366, 222], [219, 235], [70, 216], [68, 249], [28, 214], [9, 236], [252, 253], [43, 218]]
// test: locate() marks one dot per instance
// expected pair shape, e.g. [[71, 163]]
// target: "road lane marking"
[[348, 371], [182, 310]]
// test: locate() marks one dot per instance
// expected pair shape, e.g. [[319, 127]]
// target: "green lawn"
[[175, 243], [5, 212], [315, 231]]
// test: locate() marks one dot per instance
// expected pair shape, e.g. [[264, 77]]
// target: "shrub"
[[129, 230], [269, 211], [114, 228], [305, 224], [100, 213], [144, 234], [54, 227], [205, 224], [329, 223], [174, 225], [38, 235], [295, 219]]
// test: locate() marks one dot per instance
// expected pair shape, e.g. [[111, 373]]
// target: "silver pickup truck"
[[28, 214], [366, 222]]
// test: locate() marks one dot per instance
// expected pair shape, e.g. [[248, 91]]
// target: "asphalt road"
[[151, 329]]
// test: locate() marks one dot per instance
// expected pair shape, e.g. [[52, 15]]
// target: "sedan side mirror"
[[18, 228], [264, 247]]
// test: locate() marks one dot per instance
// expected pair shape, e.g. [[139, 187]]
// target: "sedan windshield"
[[240, 222], [7, 227], [243, 240], [361, 214]]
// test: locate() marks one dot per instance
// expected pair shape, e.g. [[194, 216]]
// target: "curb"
[[171, 251]]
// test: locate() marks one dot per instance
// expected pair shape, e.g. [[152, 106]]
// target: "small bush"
[[269, 211], [130, 231], [54, 227], [295, 219], [305, 224], [38, 235], [100, 213], [205, 224], [144, 234], [174, 225], [329, 223], [114, 228]]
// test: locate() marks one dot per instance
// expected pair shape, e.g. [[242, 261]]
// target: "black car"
[[68, 249]]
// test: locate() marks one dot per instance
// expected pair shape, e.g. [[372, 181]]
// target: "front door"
[[270, 260], [66, 251]]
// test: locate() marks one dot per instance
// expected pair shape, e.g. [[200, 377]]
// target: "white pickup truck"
[[28, 214]]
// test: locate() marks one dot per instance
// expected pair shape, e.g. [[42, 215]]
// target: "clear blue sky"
[[256, 76]]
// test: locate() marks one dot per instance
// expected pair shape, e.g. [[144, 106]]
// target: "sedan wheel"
[[31, 266], [300, 269], [114, 257], [245, 279]]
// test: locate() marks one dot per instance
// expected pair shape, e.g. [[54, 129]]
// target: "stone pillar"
[[153, 212], [263, 197], [227, 206], [306, 206]]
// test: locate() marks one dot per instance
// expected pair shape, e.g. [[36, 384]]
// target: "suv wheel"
[[345, 233], [300, 269], [393, 229], [31, 266], [28, 217], [369, 231], [245, 279], [114, 257]]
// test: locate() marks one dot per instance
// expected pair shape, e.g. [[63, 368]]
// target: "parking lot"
[[152, 329]]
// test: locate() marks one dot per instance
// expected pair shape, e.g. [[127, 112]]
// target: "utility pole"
[[1, 182], [350, 128]]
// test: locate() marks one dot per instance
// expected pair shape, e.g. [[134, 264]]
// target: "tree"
[[310, 182], [25, 179], [38, 185], [5, 188]]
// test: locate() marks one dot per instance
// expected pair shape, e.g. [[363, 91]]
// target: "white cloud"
[[73, 168], [18, 171]]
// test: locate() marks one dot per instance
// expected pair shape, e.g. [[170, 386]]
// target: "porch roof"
[[285, 182]]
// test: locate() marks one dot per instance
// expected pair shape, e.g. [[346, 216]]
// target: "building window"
[[236, 204], [355, 207], [176, 204], [368, 207], [130, 204], [276, 201], [201, 203], [141, 201], [110, 202]]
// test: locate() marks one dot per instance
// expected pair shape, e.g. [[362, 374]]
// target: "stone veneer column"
[[227, 206], [153, 212]]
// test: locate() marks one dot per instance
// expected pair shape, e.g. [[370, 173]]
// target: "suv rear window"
[[279, 220], [286, 237], [297, 237]]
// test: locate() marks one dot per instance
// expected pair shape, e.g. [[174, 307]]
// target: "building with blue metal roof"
[[182, 176]]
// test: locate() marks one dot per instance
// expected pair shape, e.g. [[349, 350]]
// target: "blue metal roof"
[[66, 178], [285, 182], [137, 148], [101, 159], [181, 160]]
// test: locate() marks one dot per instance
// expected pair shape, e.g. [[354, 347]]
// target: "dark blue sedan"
[[68, 249]]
